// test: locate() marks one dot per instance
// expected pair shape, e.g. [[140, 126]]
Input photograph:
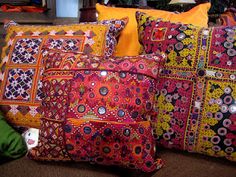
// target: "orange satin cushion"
[[128, 44]]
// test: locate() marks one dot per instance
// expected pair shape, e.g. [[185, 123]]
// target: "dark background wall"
[[218, 6]]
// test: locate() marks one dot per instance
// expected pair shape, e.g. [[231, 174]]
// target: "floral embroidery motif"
[[68, 44], [158, 34], [26, 50], [18, 84]]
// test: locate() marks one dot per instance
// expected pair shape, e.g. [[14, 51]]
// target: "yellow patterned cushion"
[[21, 66], [197, 88]]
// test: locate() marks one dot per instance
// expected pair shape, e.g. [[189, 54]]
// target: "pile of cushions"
[[128, 43], [22, 64], [81, 99], [110, 102]]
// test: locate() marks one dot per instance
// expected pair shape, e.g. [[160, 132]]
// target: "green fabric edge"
[[12, 144]]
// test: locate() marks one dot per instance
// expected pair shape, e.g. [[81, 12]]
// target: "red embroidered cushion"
[[21, 65], [197, 88], [98, 110], [112, 143]]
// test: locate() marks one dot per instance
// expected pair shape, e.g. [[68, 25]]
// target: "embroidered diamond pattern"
[[19, 84], [65, 44], [33, 110], [47, 146], [40, 95], [26, 51], [14, 109], [54, 43], [23, 109], [72, 44], [52, 138]]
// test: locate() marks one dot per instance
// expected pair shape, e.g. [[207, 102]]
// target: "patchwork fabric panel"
[[197, 88], [22, 64], [112, 143], [51, 144], [103, 107]]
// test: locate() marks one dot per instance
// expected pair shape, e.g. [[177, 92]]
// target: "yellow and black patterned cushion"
[[197, 88]]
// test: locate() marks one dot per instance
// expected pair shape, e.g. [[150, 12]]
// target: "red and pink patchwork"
[[103, 106]]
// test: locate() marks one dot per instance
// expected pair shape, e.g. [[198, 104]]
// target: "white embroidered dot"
[[232, 77], [197, 104], [205, 32], [232, 108], [229, 63], [103, 73], [210, 73]]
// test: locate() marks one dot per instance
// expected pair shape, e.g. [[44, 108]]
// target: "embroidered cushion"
[[197, 89], [128, 44], [21, 67], [98, 110]]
